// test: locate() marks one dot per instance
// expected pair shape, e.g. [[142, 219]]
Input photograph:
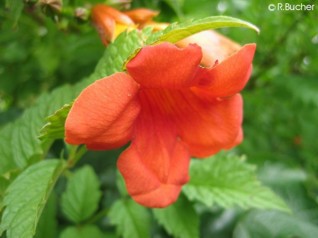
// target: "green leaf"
[[120, 183], [88, 231], [15, 8], [273, 224], [176, 31], [117, 53], [179, 219], [131, 219], [176, 5], [82, 194], [19, 142], [54, 128], [4, 183], [26, 197], [7, 162], [291, 184], [228, 181], [47, 226]]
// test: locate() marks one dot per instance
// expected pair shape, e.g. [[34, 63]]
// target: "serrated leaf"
[[47, 226], [117, 53], [54, 128], [176, 31], [88, 231], [19, 142], [26, 197], [264, 224], [179, 219], [131, 219], [229, 181], [82, 194]]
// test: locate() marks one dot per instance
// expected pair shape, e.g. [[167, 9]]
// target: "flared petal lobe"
[[165, 66], [156, 164], [228, 77], [208, 127], [102, 117]]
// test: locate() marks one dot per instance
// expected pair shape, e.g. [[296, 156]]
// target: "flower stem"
[[76, 153]]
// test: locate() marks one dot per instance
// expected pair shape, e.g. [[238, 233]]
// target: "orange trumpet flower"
[[170, 107]]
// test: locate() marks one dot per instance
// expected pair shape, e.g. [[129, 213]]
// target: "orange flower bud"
[[109, 22], [141, 15]]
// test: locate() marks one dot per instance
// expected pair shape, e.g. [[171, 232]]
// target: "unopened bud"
[[81, 13], [141, 15], [109, 22], [51, 5]]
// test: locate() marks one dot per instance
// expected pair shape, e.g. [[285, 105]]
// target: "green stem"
[[97, 217], [76, 153]]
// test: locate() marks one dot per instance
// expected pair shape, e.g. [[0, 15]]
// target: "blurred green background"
[[40, 51]]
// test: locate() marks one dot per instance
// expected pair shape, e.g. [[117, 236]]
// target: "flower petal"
[[102, 116], [230, 76], [210, 127], [156, 164], [165, 66], [215, 47]]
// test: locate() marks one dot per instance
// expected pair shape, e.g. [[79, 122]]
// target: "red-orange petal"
[[211, 127], [165, 66], [103, 115], [230, 76], [156, 164]]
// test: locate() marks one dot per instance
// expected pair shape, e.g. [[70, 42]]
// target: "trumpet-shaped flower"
[[169, 107]]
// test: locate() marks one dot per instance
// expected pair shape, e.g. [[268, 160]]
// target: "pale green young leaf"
[[179, 219], [54, 128], [26, 197], [82, 194], [88, 231], [229, 181], [131, 219], [178, 31]]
